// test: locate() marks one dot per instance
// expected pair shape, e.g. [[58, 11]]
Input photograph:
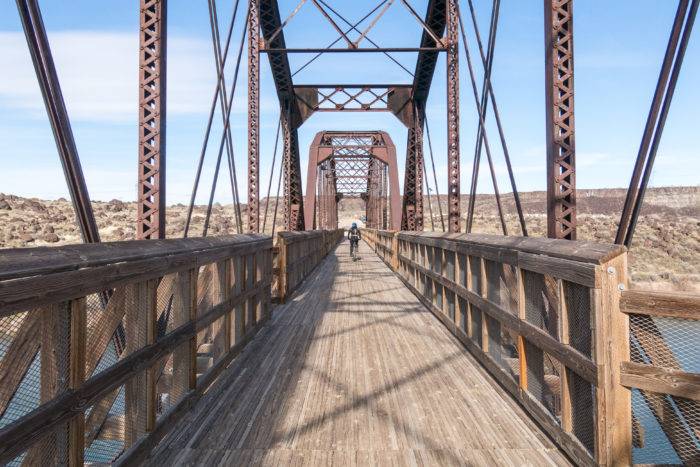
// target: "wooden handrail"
[[235, 289], [297, 254], [477, 285]]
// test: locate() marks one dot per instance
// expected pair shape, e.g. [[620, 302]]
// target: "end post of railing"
[[612, 348]]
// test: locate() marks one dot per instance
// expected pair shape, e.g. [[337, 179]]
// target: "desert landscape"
[[665, 254]]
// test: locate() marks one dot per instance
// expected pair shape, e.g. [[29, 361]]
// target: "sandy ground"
[[665, 254]]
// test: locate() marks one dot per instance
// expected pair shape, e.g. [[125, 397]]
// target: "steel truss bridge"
[[435, 348]]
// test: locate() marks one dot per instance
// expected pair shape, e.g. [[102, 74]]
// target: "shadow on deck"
[[354, 370]]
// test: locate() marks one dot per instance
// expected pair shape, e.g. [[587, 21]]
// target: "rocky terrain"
[[665, 254]]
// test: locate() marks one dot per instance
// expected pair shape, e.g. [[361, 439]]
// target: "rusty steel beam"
[[453, 174], [293, 195], [436, 19], [354, 162], [45, 69], [253, 116], [412, 211], [150, 222], [272, 37], [559, 90]]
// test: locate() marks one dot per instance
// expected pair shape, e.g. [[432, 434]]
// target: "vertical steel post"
[[254, 115], [152, 98], [418, 150], [561, 162], [452, 69], [412, 218]]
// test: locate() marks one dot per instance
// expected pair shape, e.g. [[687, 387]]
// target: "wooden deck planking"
[[353, 370]]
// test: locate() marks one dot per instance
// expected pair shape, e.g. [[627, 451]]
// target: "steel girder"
[[253, 116], [436, 20], [412, 212], [273, 37], [377, 194], [293, 195], [453, 173], [559, 90], [358, 164], [152, 99]]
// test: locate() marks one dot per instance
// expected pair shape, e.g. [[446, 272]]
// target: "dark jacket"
[[354, 232]]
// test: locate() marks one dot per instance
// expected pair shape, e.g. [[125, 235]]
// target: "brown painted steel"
[[453, 174], [253, 116], [412, 211], [352, 164], [559, 90], [152, 99]]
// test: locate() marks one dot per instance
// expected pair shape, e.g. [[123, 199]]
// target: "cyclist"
[[354, 236]]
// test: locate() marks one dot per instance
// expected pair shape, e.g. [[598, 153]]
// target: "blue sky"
[[618, 51]]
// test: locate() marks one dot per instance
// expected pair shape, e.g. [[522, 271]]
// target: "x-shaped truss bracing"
[[352, 165]]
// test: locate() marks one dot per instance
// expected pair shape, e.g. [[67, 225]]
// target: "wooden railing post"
[[237, 277], [282, 261], [221, 328], [185, 355], [63, 331], [614, 401], [140, 318]]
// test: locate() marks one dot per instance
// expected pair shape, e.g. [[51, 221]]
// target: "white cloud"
[[98, 72]]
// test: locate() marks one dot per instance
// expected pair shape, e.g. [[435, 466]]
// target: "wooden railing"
[[542, 316], [665, 370], [384, 243], [83, 380], [297, 254]]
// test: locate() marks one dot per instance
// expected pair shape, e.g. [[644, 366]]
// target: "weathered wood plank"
[[355, 371], [65, 284], [661, 380], [661, 304]]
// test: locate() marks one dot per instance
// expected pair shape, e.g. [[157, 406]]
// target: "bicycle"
[[354, 245]]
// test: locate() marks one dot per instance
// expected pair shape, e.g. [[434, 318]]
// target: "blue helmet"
[[354, 225]]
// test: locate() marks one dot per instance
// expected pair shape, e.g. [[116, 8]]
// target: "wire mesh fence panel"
[[436, 260], [105, 427], [427, 287], [102, 443], [450, 300], [164, 385], [462, 268], [582, 396], [475, 271], [535, 371], [493, 330], [450, 265], [551, 398], [476, 327], [541, 302], [494, 286], [577, 305], [20, 340], [509, 288], [510, 359], [49, 449], [666, 342], [669, 426], [463, 314]]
